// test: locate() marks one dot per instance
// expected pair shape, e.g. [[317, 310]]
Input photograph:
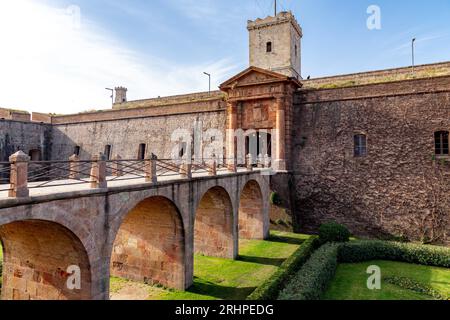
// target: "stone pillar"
[[74, 167], [249, 162], [260, 161], [117, 166], [280, 151], [186, 170], [231, 131], [150, 170], [19, 175], [267, 161], [212, 170], [98, 172]]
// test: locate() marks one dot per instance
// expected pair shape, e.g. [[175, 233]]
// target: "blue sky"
[[60, 60]]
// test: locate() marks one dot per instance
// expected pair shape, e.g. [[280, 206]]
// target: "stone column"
[[117, 167], [74, 167], [150, 170], [19, 175], [231, 130], [280, 151], [249, 162], [186, 170], [212, 170], [98, 172]]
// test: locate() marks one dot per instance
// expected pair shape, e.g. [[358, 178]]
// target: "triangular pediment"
[[253, 76]]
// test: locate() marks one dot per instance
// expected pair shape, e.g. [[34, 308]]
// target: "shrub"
[[313, 278], [410, 284], [360, 251], [275, 199], [333, 232], [271, 287]]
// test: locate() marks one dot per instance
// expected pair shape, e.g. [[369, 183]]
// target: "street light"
[[209, 76], [112, 94], [412, 47]]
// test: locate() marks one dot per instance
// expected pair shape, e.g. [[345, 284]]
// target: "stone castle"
[[368, 150]]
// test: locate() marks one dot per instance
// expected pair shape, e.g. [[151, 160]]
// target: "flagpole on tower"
[[275, 8]]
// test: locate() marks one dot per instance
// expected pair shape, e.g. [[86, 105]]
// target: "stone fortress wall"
[[400, 188]]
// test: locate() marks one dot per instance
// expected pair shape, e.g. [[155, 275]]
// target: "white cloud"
[[50, 63]]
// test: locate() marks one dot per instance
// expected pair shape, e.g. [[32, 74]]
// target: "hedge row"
[[270, 288], [360, 251], [313, 278], [415, 286]]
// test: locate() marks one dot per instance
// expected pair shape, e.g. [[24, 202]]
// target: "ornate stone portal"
[[259, 116]]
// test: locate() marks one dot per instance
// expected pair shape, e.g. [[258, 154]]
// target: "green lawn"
[[350, 281], [232, 280]]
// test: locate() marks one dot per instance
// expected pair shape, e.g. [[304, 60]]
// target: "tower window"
[[441, 143], [360, 145], [141, 154], [269, 46], [76, 150], [296, 51]]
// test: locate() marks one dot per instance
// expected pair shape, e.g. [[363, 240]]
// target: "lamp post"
[[112, 95], [209, 76], [413, 58]]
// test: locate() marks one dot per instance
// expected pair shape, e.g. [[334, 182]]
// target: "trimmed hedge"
[[314, 277], [271, 287], [415, 286], [333, 232], [360, 251]]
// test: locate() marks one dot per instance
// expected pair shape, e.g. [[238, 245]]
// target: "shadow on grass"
[[285, 239], [207, 288], [261, 260]]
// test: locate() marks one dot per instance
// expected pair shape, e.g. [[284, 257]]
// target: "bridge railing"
[[20, 175]]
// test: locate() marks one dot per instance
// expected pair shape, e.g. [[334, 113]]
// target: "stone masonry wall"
[[25, 136], [399, 189], [125, 135]]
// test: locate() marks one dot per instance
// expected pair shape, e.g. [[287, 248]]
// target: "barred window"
[[360, 145], [441, 143]]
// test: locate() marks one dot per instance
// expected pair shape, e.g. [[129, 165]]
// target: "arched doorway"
[[251, 215], [150, 245], [213, 230], [43, 261]]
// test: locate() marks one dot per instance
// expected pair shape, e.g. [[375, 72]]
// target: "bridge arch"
[[251, 212], [215, 224], [43, 260], [149, 245]]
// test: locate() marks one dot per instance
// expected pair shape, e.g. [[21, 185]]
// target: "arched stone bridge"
[[141, 231]]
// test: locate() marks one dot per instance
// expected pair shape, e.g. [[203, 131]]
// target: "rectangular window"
[[141, 155], [269, 47], [360, 145], [441, 143], [108, 152], [76, 150]]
